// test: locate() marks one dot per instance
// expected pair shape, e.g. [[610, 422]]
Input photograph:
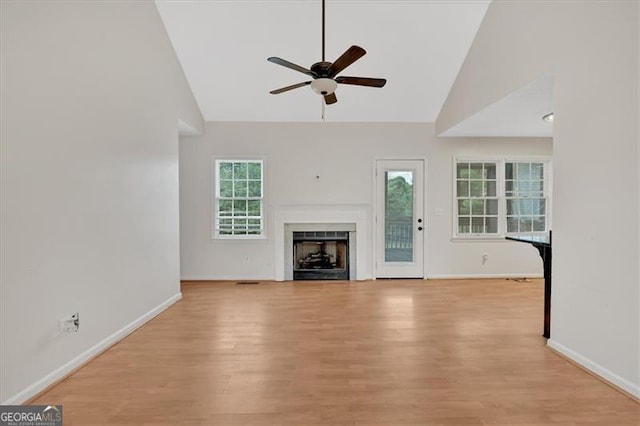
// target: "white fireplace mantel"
[[351, 215]]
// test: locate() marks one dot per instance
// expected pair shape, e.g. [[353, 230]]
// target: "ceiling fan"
[[325, 74]]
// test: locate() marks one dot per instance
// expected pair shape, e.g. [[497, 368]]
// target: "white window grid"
[[238, 211], [477, 201]]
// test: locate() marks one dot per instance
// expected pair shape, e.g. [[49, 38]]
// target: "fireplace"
[[352, 219], [321, 255]]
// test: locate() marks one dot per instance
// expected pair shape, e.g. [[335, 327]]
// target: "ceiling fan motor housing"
[[321, 69], [324, 86]]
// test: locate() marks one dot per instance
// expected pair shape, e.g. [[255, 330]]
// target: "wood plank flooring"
[[388, 352]]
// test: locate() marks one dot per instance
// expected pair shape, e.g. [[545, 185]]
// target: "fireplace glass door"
[[321, 255]]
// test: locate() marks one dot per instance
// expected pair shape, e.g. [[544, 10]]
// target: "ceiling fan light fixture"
[[324, 86], [548, 117]]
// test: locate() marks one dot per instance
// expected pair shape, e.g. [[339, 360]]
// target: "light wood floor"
[[338, 353]]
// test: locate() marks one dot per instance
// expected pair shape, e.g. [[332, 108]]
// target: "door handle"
[[419, 228]]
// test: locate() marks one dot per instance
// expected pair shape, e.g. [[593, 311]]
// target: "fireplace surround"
[[351, 218]]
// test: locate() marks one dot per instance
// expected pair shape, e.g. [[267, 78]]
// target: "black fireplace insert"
[[321, 255]]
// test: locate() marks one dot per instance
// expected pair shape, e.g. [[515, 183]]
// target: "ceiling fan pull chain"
[[323, 109]]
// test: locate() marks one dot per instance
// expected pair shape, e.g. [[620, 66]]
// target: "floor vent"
[[247, 282]]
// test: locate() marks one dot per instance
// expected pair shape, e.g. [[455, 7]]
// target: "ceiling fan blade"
[[330, 98], [362, 81], [291, 65], [350, 56], [286, 89]]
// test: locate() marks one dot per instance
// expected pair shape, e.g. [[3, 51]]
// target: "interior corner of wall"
[[186, 129], [439, 127]]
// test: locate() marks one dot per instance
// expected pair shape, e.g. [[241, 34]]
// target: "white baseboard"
[[62, 371], [223, 278], [479, 276], [596, 369], [429, 277]]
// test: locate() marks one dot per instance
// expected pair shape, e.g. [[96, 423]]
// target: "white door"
[[399, 218]]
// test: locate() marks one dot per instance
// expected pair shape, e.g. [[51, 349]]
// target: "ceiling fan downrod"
[[323, 41]]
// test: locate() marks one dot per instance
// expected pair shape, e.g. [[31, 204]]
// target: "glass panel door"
[[399, 218]]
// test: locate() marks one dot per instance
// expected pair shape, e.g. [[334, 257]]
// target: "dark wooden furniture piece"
[[543, 244]]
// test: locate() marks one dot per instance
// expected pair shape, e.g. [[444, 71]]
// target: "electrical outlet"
[[70, 323]]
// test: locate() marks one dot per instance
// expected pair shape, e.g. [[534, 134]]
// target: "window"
[[526, 202], [477, 198], [239, 199], [496, 197]]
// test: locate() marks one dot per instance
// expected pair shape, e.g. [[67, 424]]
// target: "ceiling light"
[[548, 118], [324, 86]]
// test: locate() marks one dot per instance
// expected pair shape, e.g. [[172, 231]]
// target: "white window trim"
[[215, 235], [502, 199]]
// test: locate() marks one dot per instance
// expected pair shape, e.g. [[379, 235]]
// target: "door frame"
[[374, 210]]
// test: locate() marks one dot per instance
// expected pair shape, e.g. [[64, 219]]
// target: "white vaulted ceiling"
[[418, 46], [517, 114]]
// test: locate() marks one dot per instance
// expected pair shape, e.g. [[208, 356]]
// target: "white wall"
[[592, 50], [343, 155], [91, 97]]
